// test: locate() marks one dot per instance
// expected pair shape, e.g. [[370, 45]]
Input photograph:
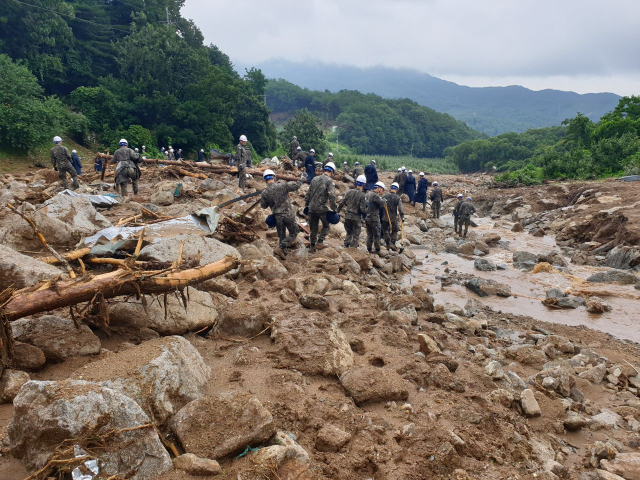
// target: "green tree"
[[306, 127]]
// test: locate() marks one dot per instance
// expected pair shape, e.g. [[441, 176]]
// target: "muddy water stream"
[[528, 288]]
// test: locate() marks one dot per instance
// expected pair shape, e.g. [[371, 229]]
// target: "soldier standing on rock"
[[328, 159], [243, 155], [394, 208], [436, 200], [321, 191], [276, 197], [300, 157], [356, 207], [345, 168], [293, 148], [61, 160], [126, 161], [466, 210], [456, 213], [375, 203], [357, 170]]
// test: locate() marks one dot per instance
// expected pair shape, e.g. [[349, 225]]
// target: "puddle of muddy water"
[[529, 289]]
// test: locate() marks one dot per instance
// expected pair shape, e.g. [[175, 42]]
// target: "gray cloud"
[[577, 39]]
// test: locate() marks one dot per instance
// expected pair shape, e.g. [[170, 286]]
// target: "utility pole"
[[337, 142], [411, 154], [167, 10]]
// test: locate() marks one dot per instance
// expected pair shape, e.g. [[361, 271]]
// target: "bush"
[[528, 175]]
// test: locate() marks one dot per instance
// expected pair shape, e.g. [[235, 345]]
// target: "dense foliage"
[[371, 124], [307, 128], [580, 149]]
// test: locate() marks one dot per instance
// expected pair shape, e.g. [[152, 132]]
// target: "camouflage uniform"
[[375, 203], [293, 149], [321, 191], [276, 197], [394, 206], [357, 171], [242, 155], [355, 205], [300, 158], [436, 201], [61, 160], [466, 210], [345, 169], [456, 214], [126, 161]]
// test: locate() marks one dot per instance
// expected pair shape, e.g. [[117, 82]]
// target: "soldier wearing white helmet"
[[320, 199], [276, 197], [345, 168], [171, 155], [328, 159], [436, 200], [375, 204], [355, 207], [293, 147], [357, 170], [456, 212], [126, 161], [61, 160], [243, 158], [393, 209]]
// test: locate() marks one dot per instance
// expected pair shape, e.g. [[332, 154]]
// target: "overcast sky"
[[579, 45]]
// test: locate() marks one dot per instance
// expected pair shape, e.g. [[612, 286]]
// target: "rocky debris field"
[[333, 365]]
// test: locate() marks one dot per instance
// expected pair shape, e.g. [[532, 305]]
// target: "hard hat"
[[373, 161], [295, 138], [56, 139], [330, 166], [381, 185], [299, 148], [202, 150], [469, 198], [357, 163], [435, 184], [421, 174], [143, 146], [344, 163], [459, 195], [268, 174], [243, 138], [171, 150], [361, 180], [123, 142], [179, 149], [403, 168], [312, 151], [410, 171], [399, 169], [136, 149], [73, 151], [330, 154], [395, 185]]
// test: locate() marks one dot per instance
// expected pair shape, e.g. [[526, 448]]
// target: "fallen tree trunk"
[[214, 168], [52, 295]]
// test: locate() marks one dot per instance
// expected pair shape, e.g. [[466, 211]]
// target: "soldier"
[[421, 193], [375, 203], [410, 187], [321, 191], [293, 148], [179, 155], [61, 160], [357, 170], [466, 210], [372, 175], [356, 206], [403, 178], [328, 159], [345, 168], [396, 178], [126, 161], [276, 197], [436, 200], [144, 151], [201, 155], [456, 213], [75, 162], [243, 155], [393, 209], [300, 157], [171, 155], [310, 165]]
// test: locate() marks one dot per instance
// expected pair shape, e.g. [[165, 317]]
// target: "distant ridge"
[[492, 110]]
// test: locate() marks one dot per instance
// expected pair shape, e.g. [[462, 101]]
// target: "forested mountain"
[[492, 110], [371, 124]]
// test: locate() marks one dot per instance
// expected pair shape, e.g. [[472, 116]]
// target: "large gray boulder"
[[208, 249], [525, 260], [484, 287], [48, 413], [200, 313], [161, 375], [371, 385], [23, 271], [623, 257], [57, 337], [613, 276]]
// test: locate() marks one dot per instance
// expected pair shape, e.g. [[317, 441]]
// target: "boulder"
[[466, 249], [75, 212], [27, 357], [221, 285], [267, 268], [211, 185], [196, 466], [200, 313], [526, 354], [428, 345], [494, 370], [529, 404], [623, 257], [597, 305], [368, 385], [313, 284], [163, 198], [222, 424], [607, 419], [595, 374], [484, 287], [222, 196], [19, 271], [313, 345], [48, 413], [314, 302], [574, 421], [10, 384], [208, 249], [289, 459], [243, 318], [627, 465], [501, 397], [331, 439], [613, 276], [555, 378], [161, 375], [491, 239], [57, 337], [524, 260], [484, 265]]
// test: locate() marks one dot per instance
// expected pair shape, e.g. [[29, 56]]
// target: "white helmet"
[[410, 171], [243, 138], [435, 184], [268, 173], [373, 161], [395, 185], [295, 138], [143, 146], [361, 179], [399, 169], [74, 151], [381, 185], [123, 142], [56, 139], [403, 168], [202, 150], [312, 151], [345, 163], [357, 163], [171, 150], [421, 174], [330, 154], [459, 195], [330, 166], [136, 149], [299, 149]]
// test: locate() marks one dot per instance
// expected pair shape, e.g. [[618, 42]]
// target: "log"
[[51, 295], [74, 255], [215, 168]]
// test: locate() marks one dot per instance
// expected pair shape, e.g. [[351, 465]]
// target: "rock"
[[239, 420], [491, 239], [79, 410], [473, 307], [331, 439], [529, 404], [243, 318], [162, 198], [560, 343], [524, 260], [425, 299], [313, 345], [574, 421], [428, 345], [450, 245], [200, 314], [627, 465], [570, 302], [483, 287], [562, 383], [604, 475], [27, 357], [267, 268], [422, 225], [501, 397], [466, 249], [517, 227], [208, 249], [196, 466], [595, 374], [222, 196], [20, 271], [76, 213], [57, 337], [314, 302], [613, 276], [597, 305], [623, 257], [289, 459], [607, 419], [161, 375], [516, 382], [368, 385], [494, 370], [211, 185], [221, 285], [526, 354], [10, 384], [484, 265]]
